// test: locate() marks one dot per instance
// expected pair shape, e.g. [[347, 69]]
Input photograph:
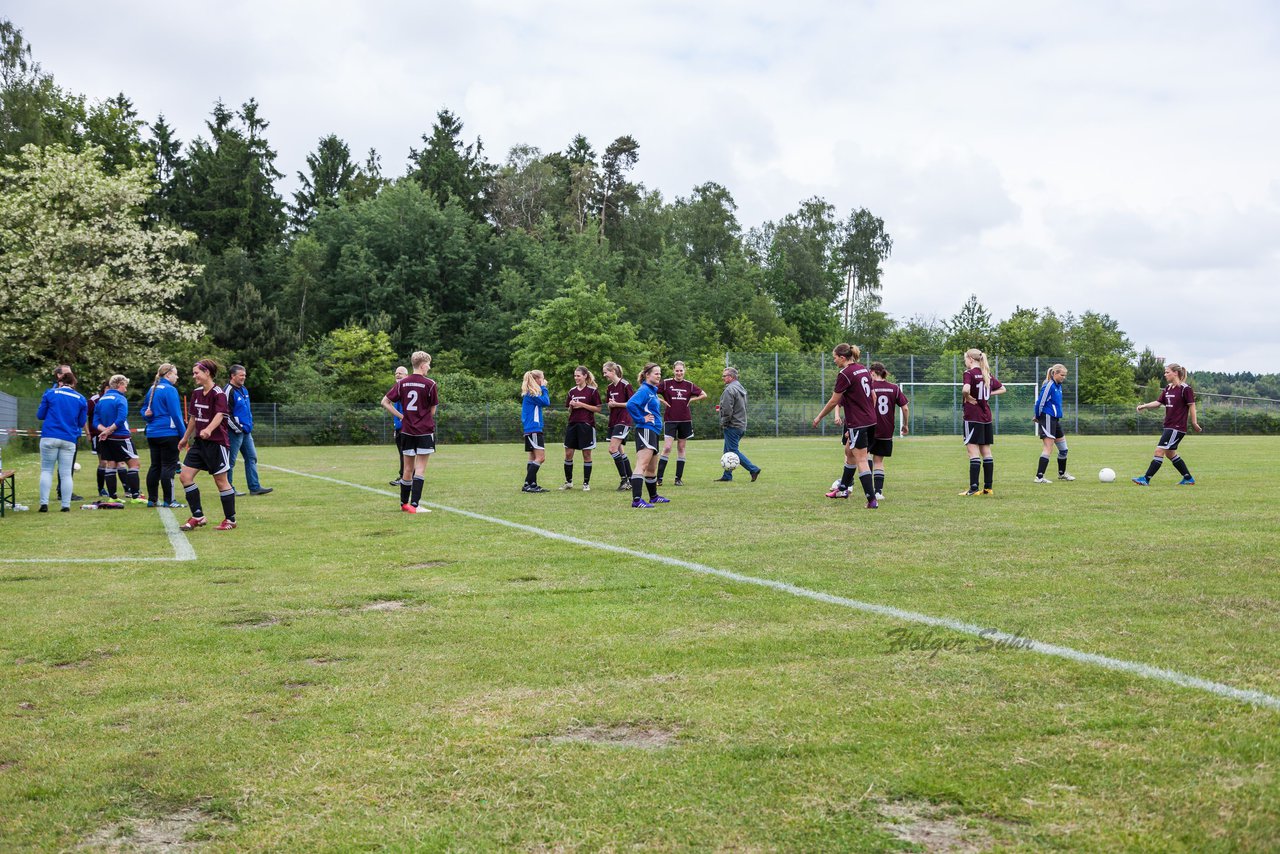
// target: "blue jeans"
[[244, 442], [56, 453], [732, 436]]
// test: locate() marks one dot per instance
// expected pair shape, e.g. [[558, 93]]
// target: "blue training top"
[[531, 419], [1049, 401], [646, 402], [63, 411], [165, 420], [112, 409]]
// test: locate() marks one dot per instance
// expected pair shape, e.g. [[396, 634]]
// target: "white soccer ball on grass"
[[729, 461], [1107, 475]]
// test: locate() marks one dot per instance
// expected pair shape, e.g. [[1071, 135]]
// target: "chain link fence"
[[785, 392]]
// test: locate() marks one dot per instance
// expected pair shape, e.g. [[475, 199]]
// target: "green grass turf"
[[254, 684]]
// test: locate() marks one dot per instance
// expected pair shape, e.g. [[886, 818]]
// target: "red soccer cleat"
[[193, 523], [227, 525]]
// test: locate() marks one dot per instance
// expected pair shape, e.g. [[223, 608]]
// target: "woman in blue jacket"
[[63, 411], [162, 410], [533, 404], [645, 408], [1049, 424]]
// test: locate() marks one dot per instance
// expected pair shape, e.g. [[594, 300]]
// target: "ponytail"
[[591, 378], [164, 368], [645, 372], [980, 357]]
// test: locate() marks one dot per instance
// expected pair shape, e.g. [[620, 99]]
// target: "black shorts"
[[619, 431], [1169, 439], [117, 450], [580, 436], [417, 446], [858, 437], [208, 456], [647, 439], [979, 433], [679, 429], [882, 447], [1049, 427], [535, 442]]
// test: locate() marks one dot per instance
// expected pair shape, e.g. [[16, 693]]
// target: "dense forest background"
[[122, 245]]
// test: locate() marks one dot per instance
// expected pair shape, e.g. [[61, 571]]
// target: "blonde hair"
[[116, 379], [532, 383], [1177, 369], [1053, 369], [615, 368], [976, 355], [420, 358], [591, 378], [164, 368], [677, 364]]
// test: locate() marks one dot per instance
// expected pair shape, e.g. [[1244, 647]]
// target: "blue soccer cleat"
[[640, 504], [658, 499], [1142, 481], [1187, 481]]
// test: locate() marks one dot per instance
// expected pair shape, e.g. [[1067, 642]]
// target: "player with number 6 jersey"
[[853, 394], [418, 398], [617, 394]]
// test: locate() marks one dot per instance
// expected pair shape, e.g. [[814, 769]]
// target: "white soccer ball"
[[75, 467], [729, 461], [836, 484], [1107, 475]]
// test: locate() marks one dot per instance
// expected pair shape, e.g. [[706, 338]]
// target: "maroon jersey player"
[[617, 394], [888, 400], [418, 398], [977, 388], [677, 393], [858, 416], [583, 402], [206, 444], [1179, 402]]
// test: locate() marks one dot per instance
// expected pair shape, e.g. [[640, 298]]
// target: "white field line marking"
[[182, 548], [1134, 668]]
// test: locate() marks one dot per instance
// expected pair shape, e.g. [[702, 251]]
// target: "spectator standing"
[[63, 411], [733, 421], [240, 432]]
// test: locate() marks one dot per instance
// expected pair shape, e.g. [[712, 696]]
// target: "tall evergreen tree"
[[329, 175], [446, 168]]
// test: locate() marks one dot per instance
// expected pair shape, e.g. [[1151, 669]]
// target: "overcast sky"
[[1112, 156]]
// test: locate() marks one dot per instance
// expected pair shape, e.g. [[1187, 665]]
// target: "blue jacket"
[[63, 411], [165, 420], [240, 419], [112, 409], [397, 420], [531, 419], [646, 402], [1049, 401]]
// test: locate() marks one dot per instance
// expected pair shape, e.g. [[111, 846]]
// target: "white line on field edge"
[[1146, 671], [182, 548]]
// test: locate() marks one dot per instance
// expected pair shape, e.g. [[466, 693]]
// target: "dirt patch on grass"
[[87, 661], [389, 605], [643, 736], [932, 827], [256, 623], [322, 660], [431, 564], [170, 832]]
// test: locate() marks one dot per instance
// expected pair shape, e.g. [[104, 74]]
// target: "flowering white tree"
[[85, 278]]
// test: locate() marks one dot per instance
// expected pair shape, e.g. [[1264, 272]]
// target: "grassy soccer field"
[[336, 674]]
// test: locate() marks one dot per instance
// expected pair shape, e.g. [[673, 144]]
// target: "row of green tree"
[[123, 245]]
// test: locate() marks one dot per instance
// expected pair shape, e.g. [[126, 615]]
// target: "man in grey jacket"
[[733, 420]]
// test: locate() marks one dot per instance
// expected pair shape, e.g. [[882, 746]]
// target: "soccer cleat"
[[879, 496], [871, 504], [586, 487], [640, 504], [226, 525], [409, 508], [173, 505], [838, 493], [393, 483], [659, 481], [137, 499], [525, 487], [970, 492], [102, 493], [679, 482], [1065, 476], [193, 523], [1042, 479], [658, 499], [1142, 481], [151, 504], [1187, 481], [534, 488], [988, 492], [568, 484], [625, 485]]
